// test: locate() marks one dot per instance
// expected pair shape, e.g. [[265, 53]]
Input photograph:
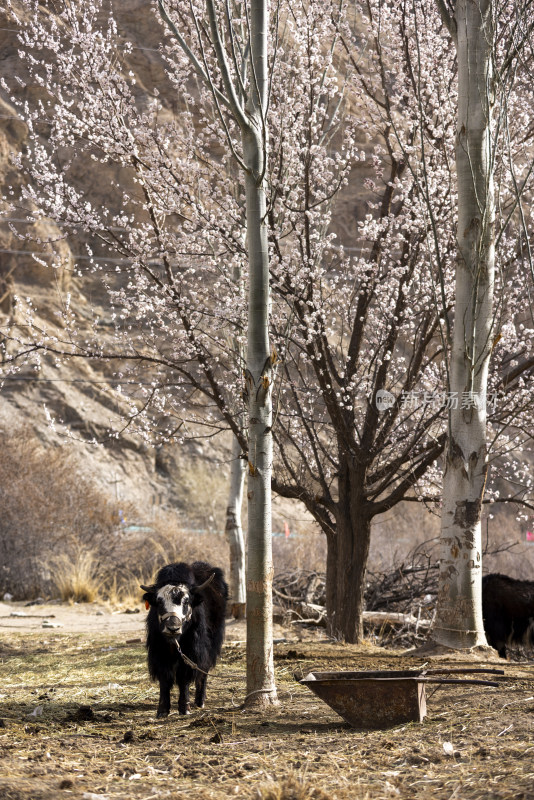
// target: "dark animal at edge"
[[508, 611], [186, 616]]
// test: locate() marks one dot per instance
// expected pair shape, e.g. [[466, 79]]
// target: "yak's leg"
[[183, 698], [164, 705], [502, 635], [200, 689]]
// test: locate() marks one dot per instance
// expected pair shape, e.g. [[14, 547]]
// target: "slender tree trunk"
[[459, 611], [234, 533], [261, 688], [260, 663]]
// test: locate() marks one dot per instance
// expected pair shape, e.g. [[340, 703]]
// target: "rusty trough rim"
[[416, 675], [384, 674]]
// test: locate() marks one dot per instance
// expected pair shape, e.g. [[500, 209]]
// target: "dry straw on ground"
[[77, 720]]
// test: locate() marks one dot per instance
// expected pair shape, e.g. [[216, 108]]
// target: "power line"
[[54, 255], [18, 119], [76, 257], [131, 46], [115, 381], [31, 220]]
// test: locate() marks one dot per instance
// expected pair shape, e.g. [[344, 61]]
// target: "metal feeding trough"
[[383, 698]]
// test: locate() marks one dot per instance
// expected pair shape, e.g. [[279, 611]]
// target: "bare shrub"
[[300, 551], [60, 534], [48, 510], [407, 585], [169, 542]]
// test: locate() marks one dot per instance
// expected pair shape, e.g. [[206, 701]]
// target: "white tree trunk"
[[234, 533], [260, 662], [459, 613]]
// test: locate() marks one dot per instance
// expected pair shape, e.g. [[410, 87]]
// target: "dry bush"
[[300, 551], [205, 492], [48, 511], [60, 534], [168, 542]]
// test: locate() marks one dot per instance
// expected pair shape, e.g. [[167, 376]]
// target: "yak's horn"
[[206, 583], [147, 588]]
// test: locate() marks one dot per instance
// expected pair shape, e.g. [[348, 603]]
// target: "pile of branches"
[[408, 590], [406, 587], [300, 596], [399, 602]]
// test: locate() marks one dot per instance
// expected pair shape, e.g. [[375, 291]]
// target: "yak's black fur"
[[508, 611], [201, 637]]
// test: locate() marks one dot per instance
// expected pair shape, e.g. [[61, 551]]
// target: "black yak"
[[508, 611], [185, 629]]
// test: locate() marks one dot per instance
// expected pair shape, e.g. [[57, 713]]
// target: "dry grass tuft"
[[76, 578], [291, 788]]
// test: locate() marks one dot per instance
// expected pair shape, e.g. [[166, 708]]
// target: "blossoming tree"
[[358, 203], [369, 388]]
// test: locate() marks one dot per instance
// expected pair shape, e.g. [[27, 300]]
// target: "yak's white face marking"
[[174, 607]]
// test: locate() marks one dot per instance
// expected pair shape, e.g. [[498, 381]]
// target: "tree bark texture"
[[234, 533], [260, 663], [347, 553], [459, 613], [259, 376]]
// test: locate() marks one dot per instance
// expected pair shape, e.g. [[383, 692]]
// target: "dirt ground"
[[92, 619], [96, 619], [77, 720]]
